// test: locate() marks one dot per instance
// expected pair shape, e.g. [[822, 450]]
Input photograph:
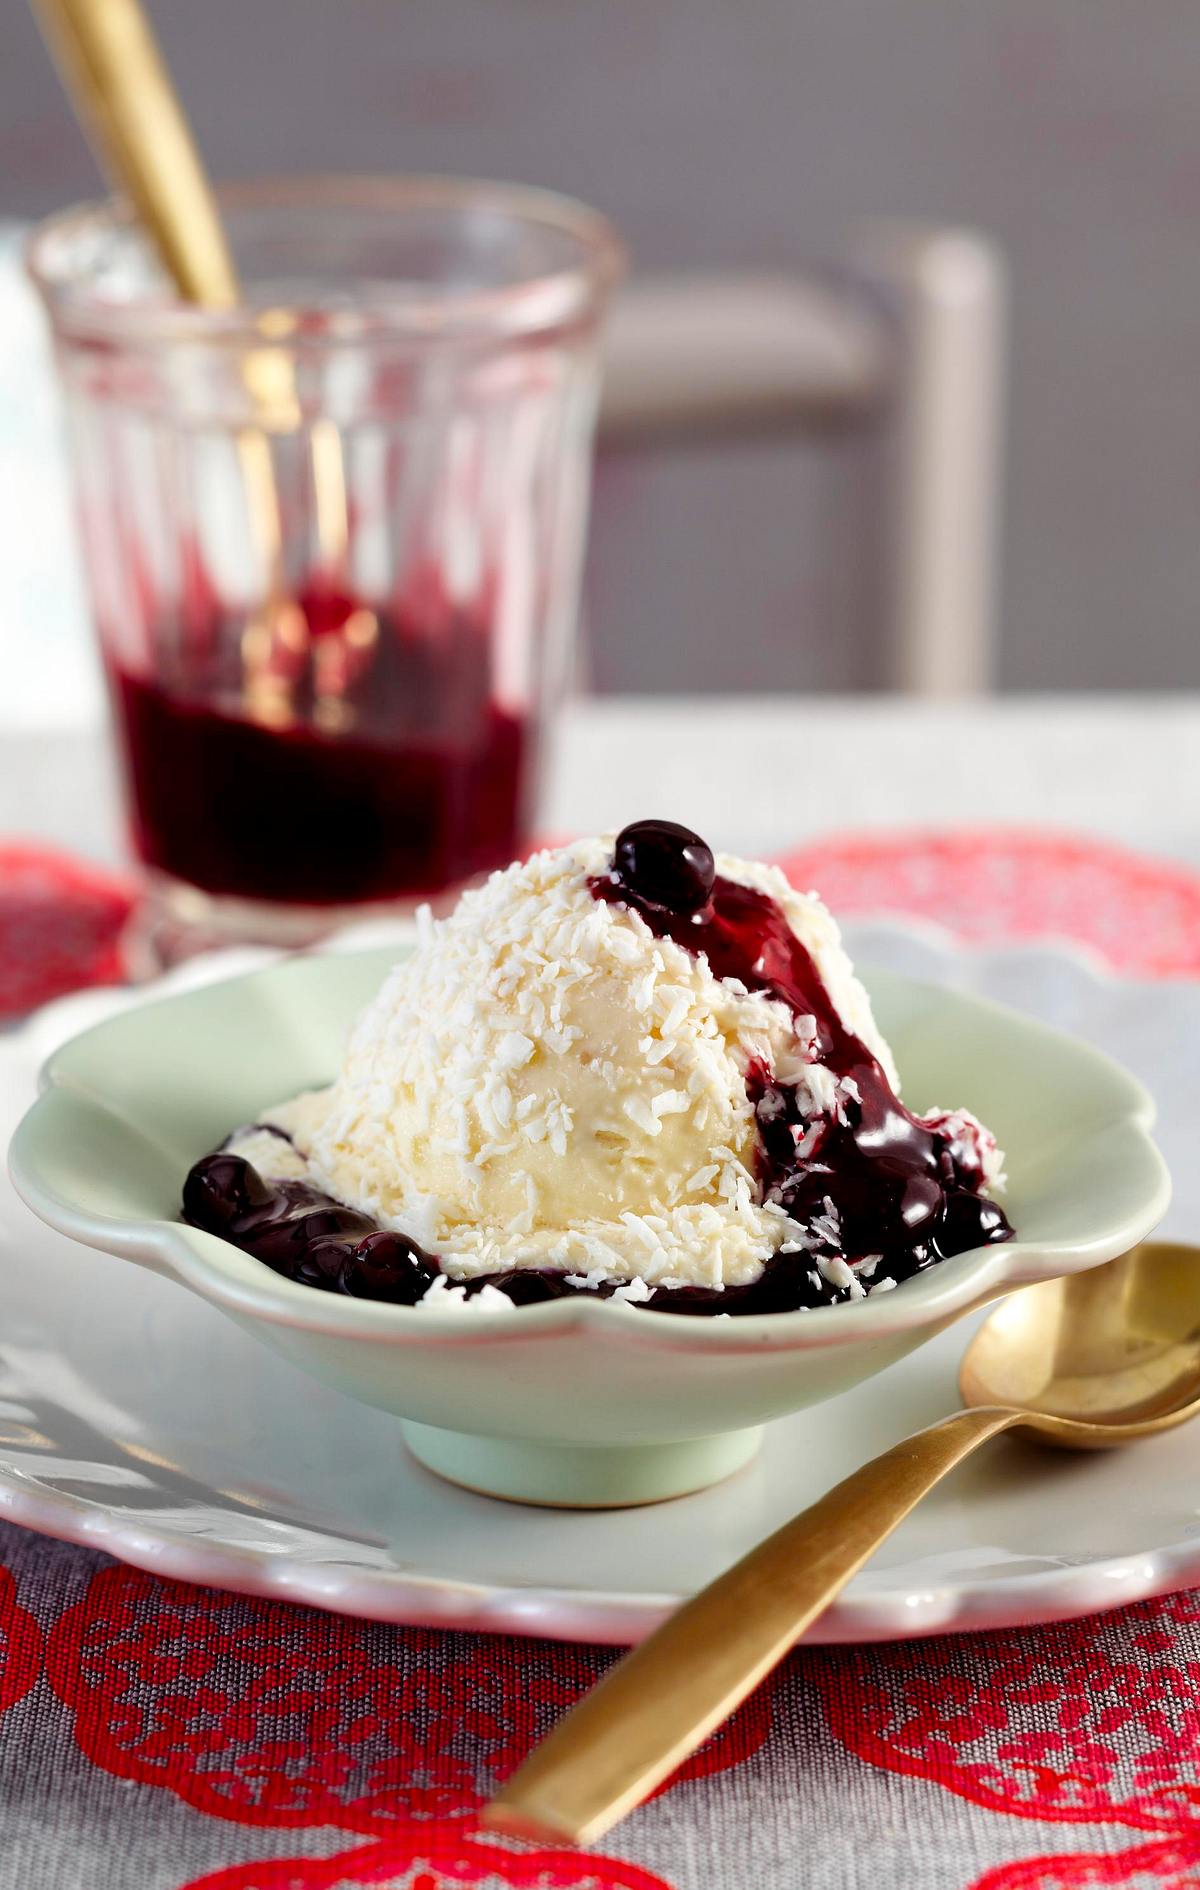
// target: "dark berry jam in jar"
[[332, 532], [362, 757]]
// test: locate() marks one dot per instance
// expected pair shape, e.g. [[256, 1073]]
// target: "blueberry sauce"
[[296, 1230], [890, 1194], [307, 1236], [874, 1184], [417, 780], [665, 864]]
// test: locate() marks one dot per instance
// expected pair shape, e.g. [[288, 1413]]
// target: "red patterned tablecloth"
[[155, 1736]]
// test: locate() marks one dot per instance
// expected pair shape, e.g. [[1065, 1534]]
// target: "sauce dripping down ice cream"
[[871, 1183], [689, 1092]]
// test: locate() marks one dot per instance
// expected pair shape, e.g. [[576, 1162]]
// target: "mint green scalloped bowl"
[[577, 1402]]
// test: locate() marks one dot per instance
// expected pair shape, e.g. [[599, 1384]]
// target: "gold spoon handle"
[[664, 1698], [114, 73], [123, 95]]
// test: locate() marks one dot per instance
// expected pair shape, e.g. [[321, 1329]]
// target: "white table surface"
[[758, 775]]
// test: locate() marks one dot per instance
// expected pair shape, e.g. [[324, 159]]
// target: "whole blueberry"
[[389, 1267], [321, 1263], [221, 1190], [969, 1220], [332, 1219], [283, 1241], [665, 864]]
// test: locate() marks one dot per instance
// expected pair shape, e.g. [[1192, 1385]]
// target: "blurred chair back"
[[910, 337]]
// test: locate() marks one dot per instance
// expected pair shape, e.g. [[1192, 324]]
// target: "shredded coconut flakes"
[[457, 1118]]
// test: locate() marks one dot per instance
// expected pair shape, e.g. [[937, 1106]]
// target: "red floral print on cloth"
[[1141, 914], [421, 1859], [266, 1714], [1174, 1865], [60, 927], [20, 1645], [1096, 1722]]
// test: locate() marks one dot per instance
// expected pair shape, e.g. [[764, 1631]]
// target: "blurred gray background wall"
[[762, 134]]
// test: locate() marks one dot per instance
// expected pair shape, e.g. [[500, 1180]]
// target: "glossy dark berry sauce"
[[416, 779], [307, 1236], [664, 864], [875, 1185]]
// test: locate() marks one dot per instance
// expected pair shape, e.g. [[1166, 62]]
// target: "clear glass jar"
[[333, 536]]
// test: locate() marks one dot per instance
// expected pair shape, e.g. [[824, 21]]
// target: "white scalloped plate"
[[136, 1419]]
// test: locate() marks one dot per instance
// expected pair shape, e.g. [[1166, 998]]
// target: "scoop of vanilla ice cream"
[[544, 1082]]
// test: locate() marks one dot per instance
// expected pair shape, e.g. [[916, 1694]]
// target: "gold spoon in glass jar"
[[1083, 1363], [122, 93]]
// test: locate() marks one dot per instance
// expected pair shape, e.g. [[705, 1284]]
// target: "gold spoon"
[[118, 82], [1083, 1363]]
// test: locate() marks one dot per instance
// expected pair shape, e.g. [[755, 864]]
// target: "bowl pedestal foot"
[[580, 1476]]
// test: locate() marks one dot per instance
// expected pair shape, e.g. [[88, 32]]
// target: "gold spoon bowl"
[[1099, 1359], [1085, 1362]]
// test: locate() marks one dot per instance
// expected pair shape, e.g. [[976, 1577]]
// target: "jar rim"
[[544, 301]]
